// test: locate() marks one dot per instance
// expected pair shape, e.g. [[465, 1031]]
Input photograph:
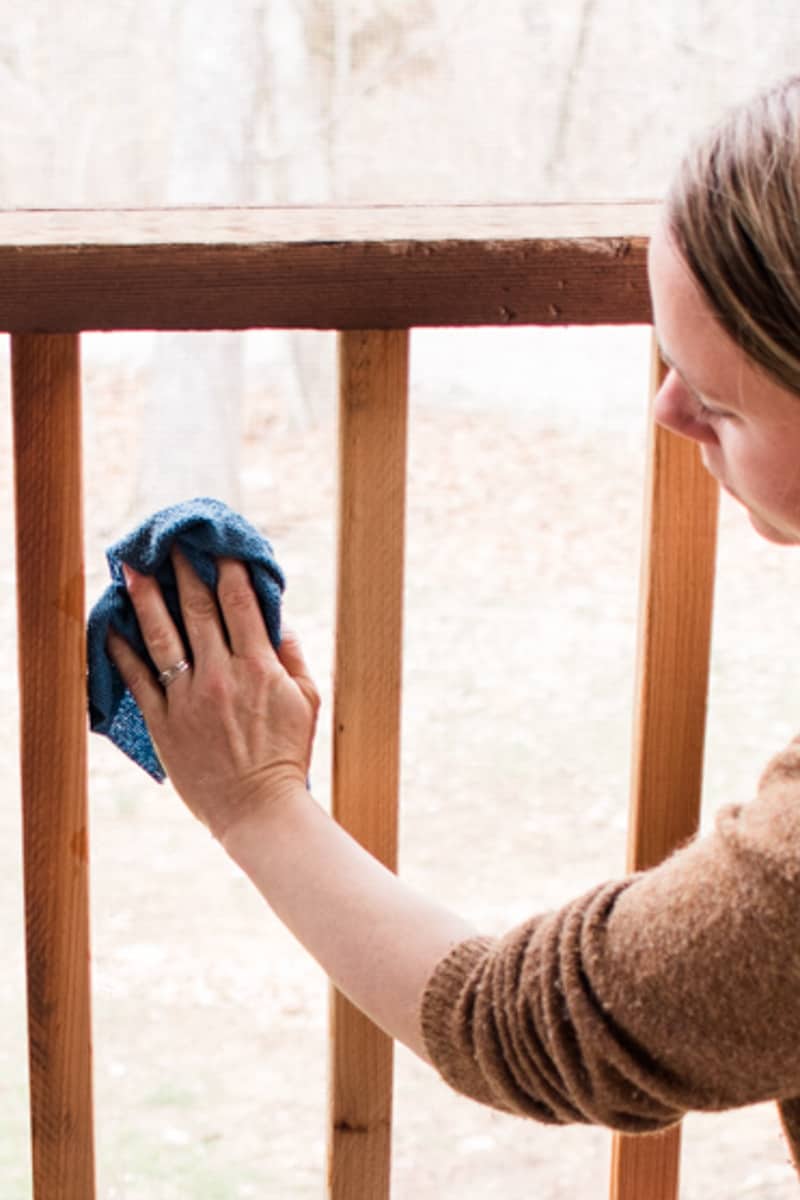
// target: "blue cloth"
[[204, 530]]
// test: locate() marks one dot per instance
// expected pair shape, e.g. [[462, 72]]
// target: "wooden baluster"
[[373, 374], [672, 684], [52, 660]]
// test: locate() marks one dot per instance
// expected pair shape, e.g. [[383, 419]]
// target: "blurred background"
[[526, 466]]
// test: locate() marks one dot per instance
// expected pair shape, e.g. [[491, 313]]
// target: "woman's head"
[[734, 213], [725, 278]]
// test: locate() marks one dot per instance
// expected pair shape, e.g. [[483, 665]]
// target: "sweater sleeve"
[[674, 989]]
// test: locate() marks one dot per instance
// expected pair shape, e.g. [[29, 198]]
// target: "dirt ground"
[[523, 545]]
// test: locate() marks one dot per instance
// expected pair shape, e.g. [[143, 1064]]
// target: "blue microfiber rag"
[[204, 530]]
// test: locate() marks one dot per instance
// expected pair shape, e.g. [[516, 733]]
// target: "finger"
[[240, 609], [200, 613], [290, 653], [163, 642], [137, 676], [291, 657]]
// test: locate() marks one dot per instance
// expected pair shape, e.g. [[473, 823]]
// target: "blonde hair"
[[734, 212]]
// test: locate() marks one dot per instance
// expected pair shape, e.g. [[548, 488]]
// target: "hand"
[[234, 732]]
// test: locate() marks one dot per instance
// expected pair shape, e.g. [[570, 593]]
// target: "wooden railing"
[[374, 275]]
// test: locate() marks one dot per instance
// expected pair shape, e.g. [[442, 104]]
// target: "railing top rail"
[[245, 226], [325, 268]]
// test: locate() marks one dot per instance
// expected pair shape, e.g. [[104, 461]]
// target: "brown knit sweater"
[[674, 989]]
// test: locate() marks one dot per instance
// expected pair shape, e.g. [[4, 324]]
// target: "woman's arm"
[[675, 989], [235, 736], [377, 939]]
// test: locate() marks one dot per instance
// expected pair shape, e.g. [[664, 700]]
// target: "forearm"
[[234, 734], [376, 939]]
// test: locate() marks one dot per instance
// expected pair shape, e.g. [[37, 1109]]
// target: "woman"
[[671, 990]]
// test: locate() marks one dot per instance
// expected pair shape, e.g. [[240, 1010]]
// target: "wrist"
[[254, 832]]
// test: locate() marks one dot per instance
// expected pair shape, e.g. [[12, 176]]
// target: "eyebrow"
[[670, 362]]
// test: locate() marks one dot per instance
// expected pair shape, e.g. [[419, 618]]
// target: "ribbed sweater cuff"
[[443, 1028]]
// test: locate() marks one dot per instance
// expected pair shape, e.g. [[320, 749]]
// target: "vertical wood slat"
[[52, 657], [676, 601], [373, 376]]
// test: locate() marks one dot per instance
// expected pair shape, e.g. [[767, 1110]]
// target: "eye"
[[705, 412]]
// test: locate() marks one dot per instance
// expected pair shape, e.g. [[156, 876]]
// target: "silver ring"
[[169, 676]]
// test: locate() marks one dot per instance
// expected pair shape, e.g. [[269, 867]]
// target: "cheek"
[[782, 484], [763, 471]]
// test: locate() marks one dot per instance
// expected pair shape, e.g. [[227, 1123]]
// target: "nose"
[[675, 408]]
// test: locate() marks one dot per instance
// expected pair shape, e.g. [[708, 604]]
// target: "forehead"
[[679, 307], [686, 327]]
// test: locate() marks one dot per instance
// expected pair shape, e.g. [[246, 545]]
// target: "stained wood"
[[52, 662], [646, 1167], [196, 225], [318, 268], [366, 717], [672, 687]]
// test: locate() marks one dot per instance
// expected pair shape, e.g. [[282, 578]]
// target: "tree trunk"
[[191, 417]]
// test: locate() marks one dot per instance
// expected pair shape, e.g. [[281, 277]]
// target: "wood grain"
[[366, 717], [672, 686], [52, 671], [195, 226], [646, 1167], [319, 268]]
